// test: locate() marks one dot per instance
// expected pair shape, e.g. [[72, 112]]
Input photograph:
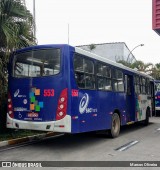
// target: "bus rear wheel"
[[115, 126]]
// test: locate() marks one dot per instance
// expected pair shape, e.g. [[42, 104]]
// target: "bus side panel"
[[92, 110]]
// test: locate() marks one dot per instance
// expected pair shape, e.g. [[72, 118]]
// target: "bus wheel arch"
[[115, 124]]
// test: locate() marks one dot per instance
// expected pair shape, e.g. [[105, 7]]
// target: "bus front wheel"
[[115, 126]]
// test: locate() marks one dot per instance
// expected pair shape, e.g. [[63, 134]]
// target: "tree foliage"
[[148, 68], [92, 47], [16, 31]]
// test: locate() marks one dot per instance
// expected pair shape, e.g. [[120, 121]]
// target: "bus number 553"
[[48, 92]]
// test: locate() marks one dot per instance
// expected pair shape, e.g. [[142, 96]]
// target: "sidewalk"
[[27, 139]]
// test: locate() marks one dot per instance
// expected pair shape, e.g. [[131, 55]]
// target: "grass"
[[13, 134]]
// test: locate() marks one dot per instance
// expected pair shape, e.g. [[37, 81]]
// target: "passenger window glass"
[[115, 85], [114, 74], [120, 85], [103, 70], [107, 84], [100, 83], [84, 72], [137, 84], [80, 79], [99, 70], [88, 66], [106, 71], [119, 75], [104, 77], [118, 82], [78, 63]]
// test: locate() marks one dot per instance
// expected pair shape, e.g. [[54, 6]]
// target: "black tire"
[[146, 121], [115, 126]]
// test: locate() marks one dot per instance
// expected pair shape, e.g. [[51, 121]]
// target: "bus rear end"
[[38, 90]]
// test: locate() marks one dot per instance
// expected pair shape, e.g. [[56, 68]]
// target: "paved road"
[[89, 147]]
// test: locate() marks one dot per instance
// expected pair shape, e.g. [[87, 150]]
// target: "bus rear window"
[[37, 63]]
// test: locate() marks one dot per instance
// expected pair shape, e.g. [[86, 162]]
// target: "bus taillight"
[[10, 106], [62, 105]]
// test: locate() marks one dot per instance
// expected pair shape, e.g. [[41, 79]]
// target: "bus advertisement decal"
[[84, 103], [35, 104], [17, 94], [83, 106]]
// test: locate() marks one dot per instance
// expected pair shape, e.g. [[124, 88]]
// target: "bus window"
[[147, 86], [84, 72], [103, 77], [128, 85], [118, 83], [137, 84], [88, 66], [115, 85], [78, 63], [37, 63], [143, 85], [22, 69], [157, 87]]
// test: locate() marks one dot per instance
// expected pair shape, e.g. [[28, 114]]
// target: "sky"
[[98, 21]]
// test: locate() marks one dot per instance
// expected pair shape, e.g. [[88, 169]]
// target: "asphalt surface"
[[135, 143]]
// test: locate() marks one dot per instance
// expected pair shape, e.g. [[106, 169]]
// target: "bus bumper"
[[63, 125]]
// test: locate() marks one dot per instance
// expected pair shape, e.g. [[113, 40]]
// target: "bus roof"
[[103, 59]]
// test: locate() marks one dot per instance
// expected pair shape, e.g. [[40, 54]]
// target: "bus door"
[[153, 113], [130, 103]]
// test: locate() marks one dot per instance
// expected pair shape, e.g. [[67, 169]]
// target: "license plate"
[[33, 114]]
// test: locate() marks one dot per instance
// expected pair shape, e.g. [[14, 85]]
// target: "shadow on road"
[[73, 141]]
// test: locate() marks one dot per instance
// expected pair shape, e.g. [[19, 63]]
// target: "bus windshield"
[[37, 63]]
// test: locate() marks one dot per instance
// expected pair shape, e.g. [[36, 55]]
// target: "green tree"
[[92, 47], [139, 65], [156, 71], [148, 68], [125, 63], [16, 31]]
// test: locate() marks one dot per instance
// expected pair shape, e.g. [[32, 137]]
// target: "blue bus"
[[61, 88], [157, 96]]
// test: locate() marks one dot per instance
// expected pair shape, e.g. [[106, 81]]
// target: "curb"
[[27, 139]]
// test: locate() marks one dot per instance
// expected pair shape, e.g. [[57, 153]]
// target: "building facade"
[[112, 51]]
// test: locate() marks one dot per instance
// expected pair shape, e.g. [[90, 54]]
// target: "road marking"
[[127, 146], [158, 129]]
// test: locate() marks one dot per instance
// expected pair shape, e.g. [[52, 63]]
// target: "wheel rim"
[[116, 125]]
